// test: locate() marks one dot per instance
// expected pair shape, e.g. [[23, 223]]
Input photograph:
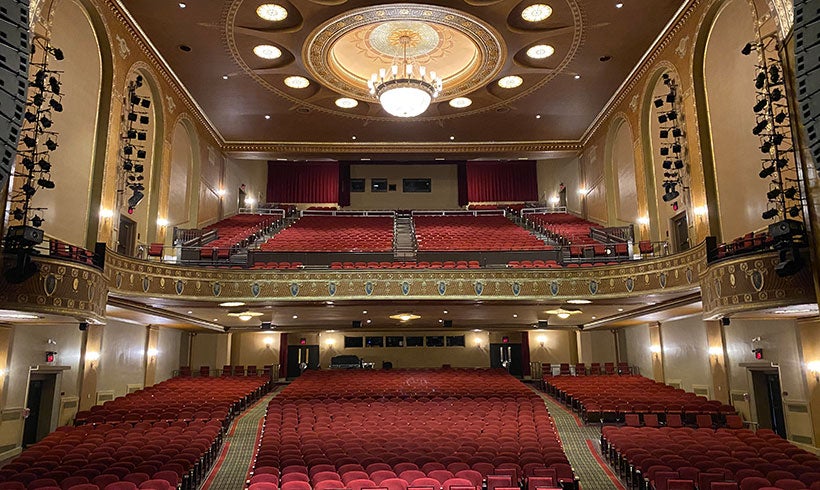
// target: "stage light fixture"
[[18, 214], [57, 53], [676, 148], [672, 115], [138, 168], [777, 139], [30, 117], [766, 147], [127, 166], [144, 119], [782, 162], [142, 136], [135, 199], [132, 116], [56, 105], [658, 102], [138, 81], [760, 126], [664, 133], [45, 183], [769, 213], [790, 193], [141, 153], [29, 141], [51, 144], [678, 164], [38, 100], [46, 122], [794, 211], [747, 50], [37, 221], [761, 104], [671, 196], [131, 134], [28, 189], [54, 85], [664, 151], [772, 194], [677, 132], [766, 172], [44, 165], [760, 81], [667, 164], [128, 150], [780, 117], [28, 163], [135, 99], [776, 95], [145, 103], [662, 118], [774, 74]]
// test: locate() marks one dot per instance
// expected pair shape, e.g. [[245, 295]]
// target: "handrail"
[[263, 211], [613, 233], [459, 212], [345, 212], [549, 210]]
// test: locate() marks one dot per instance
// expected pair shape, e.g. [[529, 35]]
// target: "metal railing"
[[459, 212], [549, 210], [346, 212]]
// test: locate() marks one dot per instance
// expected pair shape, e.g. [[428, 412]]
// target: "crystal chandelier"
[[405, 94]]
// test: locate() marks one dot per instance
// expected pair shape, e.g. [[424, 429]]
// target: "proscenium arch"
[[648, 112], [610, 173]]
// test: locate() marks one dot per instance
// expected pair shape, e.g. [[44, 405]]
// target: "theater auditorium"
[[444, 245]]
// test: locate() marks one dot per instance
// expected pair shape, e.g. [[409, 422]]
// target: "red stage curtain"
[[502, 181], [309, 182], [283, 355]]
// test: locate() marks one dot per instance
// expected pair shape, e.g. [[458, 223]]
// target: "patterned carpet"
[[582, 445], [231, 469]]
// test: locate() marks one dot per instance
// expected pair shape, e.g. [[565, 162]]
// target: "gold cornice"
[[643, 65], [750, 283], [403, 147], [59, 288]]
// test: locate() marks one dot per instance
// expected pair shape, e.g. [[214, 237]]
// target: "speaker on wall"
[[356, 324], [447, 323], [15, 52], [807, 70]]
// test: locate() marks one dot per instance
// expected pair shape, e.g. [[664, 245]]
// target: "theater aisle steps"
[[592, 471], [240, 442]]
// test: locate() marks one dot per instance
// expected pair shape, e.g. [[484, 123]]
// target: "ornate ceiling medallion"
[[343, 52]]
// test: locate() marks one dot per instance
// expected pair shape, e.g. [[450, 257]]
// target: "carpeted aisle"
[[582, 445], [232, 466]]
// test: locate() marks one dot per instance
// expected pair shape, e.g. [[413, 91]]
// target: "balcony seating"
[[334, 234], [473, 233], [567, 229], [235, 232]]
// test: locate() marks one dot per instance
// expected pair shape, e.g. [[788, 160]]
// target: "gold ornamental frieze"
[[56, 287], [750, 283]]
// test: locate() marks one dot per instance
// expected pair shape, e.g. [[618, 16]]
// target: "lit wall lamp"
[[162, 222], [478, 342], [220, 192], [92, 357], [152, 353], [583, 191], [542, 340], [3, 372], [814, 368], [715, 351], [643, 221], [700, 212], [106, 213], [268, 341], [655, 349], [249, 201], [330, 342], [554, 200]]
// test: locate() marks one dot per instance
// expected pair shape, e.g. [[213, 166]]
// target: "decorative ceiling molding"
[[330, 148]]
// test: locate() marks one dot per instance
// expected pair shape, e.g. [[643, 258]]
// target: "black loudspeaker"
[[543, 324], [725, 321], [83, 326], [788, 229], [356, 324], [807, 70], [790, 262], [447, 323], [15, 52]]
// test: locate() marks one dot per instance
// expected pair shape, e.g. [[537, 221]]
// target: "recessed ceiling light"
[[452, 138], [232, 304], [540, 51], [620, 309], [224, 77], [515, 315], [216, 319], [577, 77], [405, 317], [297, 82], [445, 312], [368, 320], [245, 315], [579, 301], [619, 5], [460, 102], [440, 320], [271, 12], [190, 312], [510, 81], [267, 116], [562, 313], [594, 317], [538, 116], [346, 103], [364, 312], [182, 5], [329, 302], [295, 317], [267, 52], [536, 12], [353, 137]]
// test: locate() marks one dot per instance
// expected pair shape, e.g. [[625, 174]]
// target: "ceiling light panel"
[[540, 51], [272, 12], [267, 52], [536, 12], [511, 81]]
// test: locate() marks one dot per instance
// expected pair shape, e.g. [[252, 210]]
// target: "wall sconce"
[[92, 357], [249, 201], [220, 192], [542, 339], [700, 212], [268, 341], [106, 213], [814, 368], [330, 342], [152, 353], [478, 342], [715, 351], [643, 220], [655, 349], [583, 191], [162, 222], [554, 200], [3, 372]]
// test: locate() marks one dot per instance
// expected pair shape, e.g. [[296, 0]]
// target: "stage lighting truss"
[[672, 144], [773, 127], [133, 137], [32, 170]]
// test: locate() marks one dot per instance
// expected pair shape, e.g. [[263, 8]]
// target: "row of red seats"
[[282, 266], [707, 459], [234, 232], [334, 234], [581, 369], [749, 242], [533, 264], [475, 233], [442, 429], [609, 398], [565, 228], [229, 370]]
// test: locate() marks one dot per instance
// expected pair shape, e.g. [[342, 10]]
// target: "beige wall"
[[73, 159], [592, 171], [179, 194], [557, 346], [168, 349], [685, 352], [730, 95], [122, 359], [637, 349], [596, 346], [211, 349], [623, 164], [443, 195], [255, 348], [252, 173], [471, 355], [552, 173]]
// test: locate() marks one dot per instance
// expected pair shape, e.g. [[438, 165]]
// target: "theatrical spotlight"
[[144, 119], [678, 164], [27, 163], [747, 50], [667, 164], [794, 211], [45, 183], [46, 122], [29, 141], [664, 133], [664, 151], [766, 147], [790, 193], [662, 118], [659, 103], [760, 126], [30, 117], [672, 115], [676, 148], [782, 162], [138, 168], [766, 172], [774, 74], [760, 81], [761, 104], [51, 144], [772, 194], [56, 105], [769, 213], [37, 221], [780, 117], [44, 165], [141, 153], [677, 132], [777, 139], [776, 95]]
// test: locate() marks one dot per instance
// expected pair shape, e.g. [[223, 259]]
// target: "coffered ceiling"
[[335, 44]]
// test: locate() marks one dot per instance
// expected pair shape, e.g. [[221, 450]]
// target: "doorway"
[[241, 196], [127, 236], [511, 353], [298, 354], [40, 407], [768, 401], [680, 232]]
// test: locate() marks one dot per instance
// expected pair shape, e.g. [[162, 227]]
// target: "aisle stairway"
[[404, 242]]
